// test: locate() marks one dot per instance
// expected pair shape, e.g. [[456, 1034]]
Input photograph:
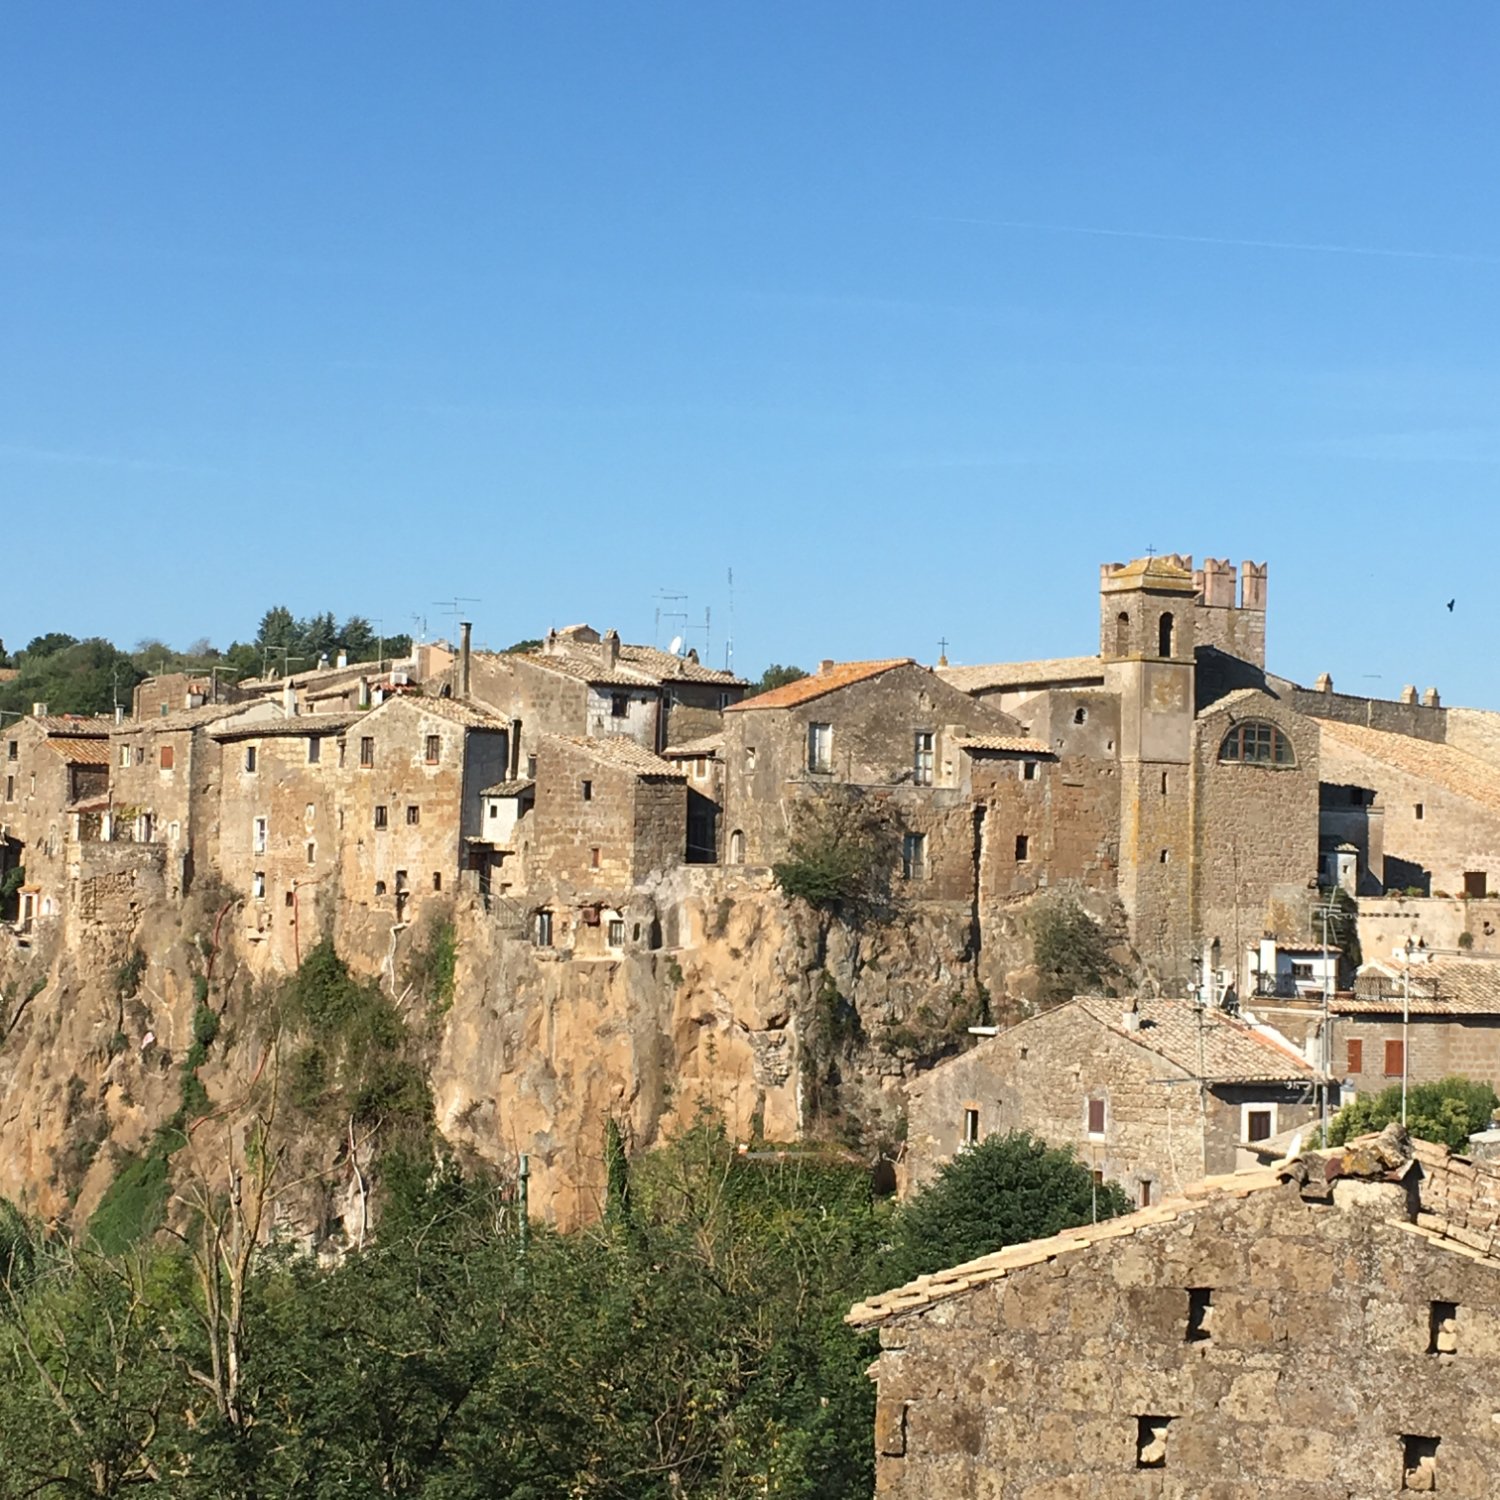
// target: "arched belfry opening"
[[1164, 633], [1122, 633]]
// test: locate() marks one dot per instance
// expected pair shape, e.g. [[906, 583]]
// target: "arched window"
[[1122, 633], [1256, 742], [737, 847], [1164, 630]]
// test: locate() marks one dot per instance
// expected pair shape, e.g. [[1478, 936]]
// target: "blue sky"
[[910, 315]]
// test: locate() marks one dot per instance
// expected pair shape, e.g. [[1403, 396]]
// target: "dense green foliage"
[[689, 1345], [842, 853], [1003, 1191], [79, 677], [1449, 1111], [776, 676], [1070, 951]]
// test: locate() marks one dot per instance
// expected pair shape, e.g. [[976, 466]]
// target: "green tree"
[[842, 853], [776, 676], [84, 677], [1006, 1190], [1449, 1111], [1070, 950], [49, 644]]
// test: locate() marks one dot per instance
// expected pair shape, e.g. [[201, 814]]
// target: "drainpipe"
[[466, 631]]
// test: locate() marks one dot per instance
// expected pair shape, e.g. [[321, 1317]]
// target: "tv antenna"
[[729, 644], [664, 598], [455, 607]]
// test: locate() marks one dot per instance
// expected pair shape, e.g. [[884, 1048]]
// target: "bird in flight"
[[1451, 603]]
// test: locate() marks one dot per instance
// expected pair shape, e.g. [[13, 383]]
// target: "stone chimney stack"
[[825, 666], [1430, 698], [609, 649], [1324, 684], [289, 699], [465, 640], [1132, 1016], [343, 658], [1409, 693]]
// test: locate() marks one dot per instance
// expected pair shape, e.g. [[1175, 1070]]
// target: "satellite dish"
[[676, 647]]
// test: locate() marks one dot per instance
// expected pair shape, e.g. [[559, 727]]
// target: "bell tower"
[[1147, 619]]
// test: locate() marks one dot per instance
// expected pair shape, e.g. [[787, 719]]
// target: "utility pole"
[[1405, 1025]]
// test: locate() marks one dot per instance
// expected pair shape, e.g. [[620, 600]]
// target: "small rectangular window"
[[250, 757], [1442, 1328], [260, 831], [922, 758], [258, 885], [124, 755], [166, 757], [616, 933], [1200, 1314], [1476, 884], [1028, 770], [1418, 812], [1151, 1442], [380, 817], [1143, 1192], [367, 750], [1096, 1116], [437, 880], [413, 815], [588, 791], [594, 858], [434, 749], [619, 705], [1395, 1059], [820, 748], [10, 788], [971, 1127], [914, 856], [1023, 848], [314, 749], [13, 750], [1258, 1125], [1354, 1061], [1419, 1463], [312, 854], [542, 929]]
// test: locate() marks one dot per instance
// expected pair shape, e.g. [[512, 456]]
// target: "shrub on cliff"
[[841, 854]]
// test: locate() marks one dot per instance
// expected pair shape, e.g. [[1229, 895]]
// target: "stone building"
[[582, 684], [1152, 1094], [1328, 1328]]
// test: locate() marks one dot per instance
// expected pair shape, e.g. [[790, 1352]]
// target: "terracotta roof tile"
[[1016, 744], [709, 744], [72, 725], [517, 788], [806, 689], [1438, 986], [1453, 769], [621, 750], [80, 752], [1070, 671]]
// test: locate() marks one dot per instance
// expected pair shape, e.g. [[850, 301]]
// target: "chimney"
[[1132, 1016], [343, 658], [1430, 698], [39, 710], [515, 749], [465, 638], [289, 700], [1409, 694], [1324, 684], [609, 650], [825, 666], [119, 714]]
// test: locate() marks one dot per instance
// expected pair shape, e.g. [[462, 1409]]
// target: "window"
[[737, 847], [367, 751], [1256, 742], [494, 809], [258, 885], [723, 701], [531, 766], [1417, 812], [914, 856], [434, 750], [700, 768], [10, 788], [1096, 1116], [1258, 1125], [619, 705], [1354, 1060], [820, 747], [1395, 1059], [259, 834], [921, 764], [542, 929], [971, 1127], [309, 815], [1080, 716], [1143, 1192], [163, 713], [312, 853], [594, 858], [1164, 634], [1164, 783], [1419, 1463], [314, 750], [1151, 1442], [413, 815], [1023, 848], [124, 755], [380, 887], [749, 757], [13, 750], [437, 880], [588, 791], [1200, 1314], [250, 758], [1442, 1328], [615, 934], [380, 817], [1476, 883], [1302, 971], [290, 899], [166, 757], [1165, 857], [1122, 633], [1028, 770]]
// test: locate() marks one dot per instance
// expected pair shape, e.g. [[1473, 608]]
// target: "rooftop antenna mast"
[[665, 597], [455, 606], [729, 644]]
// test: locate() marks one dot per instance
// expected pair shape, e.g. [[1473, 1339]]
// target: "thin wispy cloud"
[[1314, 247]]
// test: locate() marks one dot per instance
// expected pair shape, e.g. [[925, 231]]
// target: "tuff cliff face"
[[783, 1021]]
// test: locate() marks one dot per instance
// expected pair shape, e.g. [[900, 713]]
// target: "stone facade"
[[1129, 1105], [1275, 1334]]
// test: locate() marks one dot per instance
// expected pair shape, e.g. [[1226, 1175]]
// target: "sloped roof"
[[1445, 765], [70, 726], [708, 744], [1202, 1042], [1241, 698], [80, 752], [1438, 986], [805, 689], [1018, 744], [1073, 670], [1156, 572], [636, 666], [247, 727], [517, 788], [620, 750], [470, 715], [186, 718]]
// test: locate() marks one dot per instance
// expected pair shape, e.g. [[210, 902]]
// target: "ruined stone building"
[[1328, 1328], [1152, 1094]]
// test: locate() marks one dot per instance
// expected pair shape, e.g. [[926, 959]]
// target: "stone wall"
[[1438, 1047], [1386, 922], [1476, 730], [1258, 1346], [1414, 719]]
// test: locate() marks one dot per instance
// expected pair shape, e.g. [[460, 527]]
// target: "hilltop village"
[[599, 823]]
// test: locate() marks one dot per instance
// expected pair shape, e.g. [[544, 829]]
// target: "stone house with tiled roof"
[[1328, 1327], [582, 683], [1153, 1094]]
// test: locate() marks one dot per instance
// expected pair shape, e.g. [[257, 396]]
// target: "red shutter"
[[1394, 1059], [1356, 1059]]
